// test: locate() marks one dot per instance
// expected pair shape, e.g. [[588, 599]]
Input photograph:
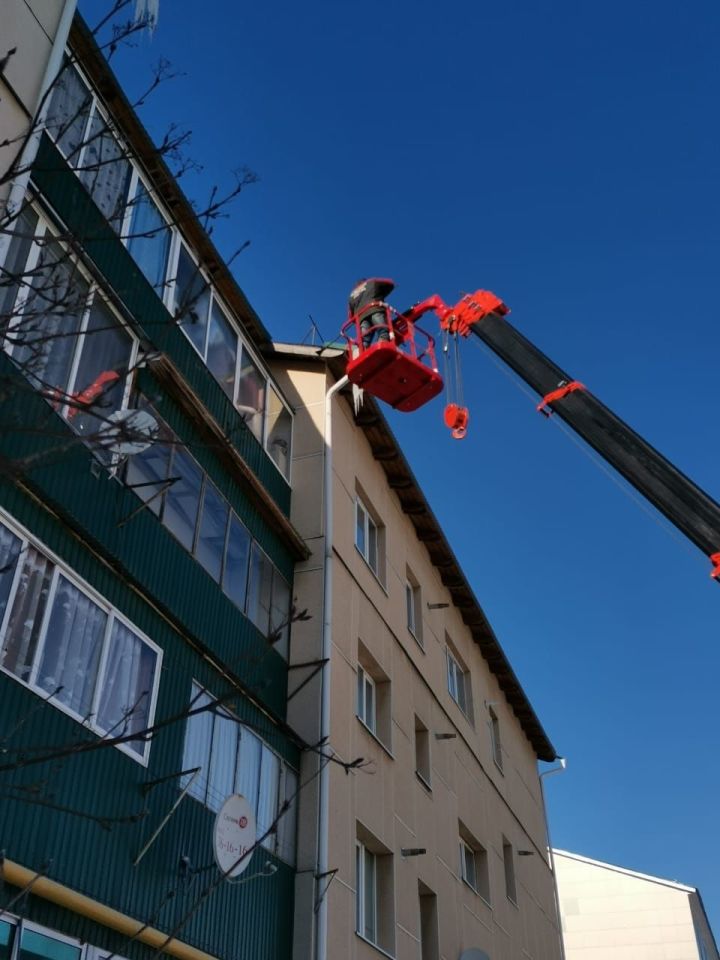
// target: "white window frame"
[[61, 568], [467, 853], [509, 870], [43, 232], [87, 951], [371, 558], [361, 852], [410, 607], [457, 680], [367, 715]]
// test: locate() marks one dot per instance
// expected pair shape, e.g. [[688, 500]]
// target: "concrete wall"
[[607, 911], [385, 800]]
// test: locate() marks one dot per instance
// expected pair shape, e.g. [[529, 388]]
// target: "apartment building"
[[146, 550], [433, 844], [608, 910]]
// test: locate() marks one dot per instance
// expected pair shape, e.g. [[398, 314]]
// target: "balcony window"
[[237, 562], [105, 171], [148, 239], [222, 350], [212, 530], [251, 394], [68, 112], [182, 498], [279, 432], [192, 300], [71, 646]]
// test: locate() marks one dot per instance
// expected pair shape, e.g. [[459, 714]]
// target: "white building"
[[610, 912]]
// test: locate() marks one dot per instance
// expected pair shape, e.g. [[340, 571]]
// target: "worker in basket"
[[367, 303]]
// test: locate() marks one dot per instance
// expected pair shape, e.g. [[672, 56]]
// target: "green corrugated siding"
[[73, 204], [249, 921], [141, 549]]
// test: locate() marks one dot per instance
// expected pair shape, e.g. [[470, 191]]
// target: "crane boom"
[[675, 495]]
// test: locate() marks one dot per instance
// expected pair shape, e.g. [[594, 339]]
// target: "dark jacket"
[[372, 289]]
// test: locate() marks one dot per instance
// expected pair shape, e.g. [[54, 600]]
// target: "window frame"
[[61, 568], [362, 853], [413, 608], [364, 680], [458, 678], [422, 753], [495, 739], [202, 788], [467, 853], [374, 558], [509, 870]]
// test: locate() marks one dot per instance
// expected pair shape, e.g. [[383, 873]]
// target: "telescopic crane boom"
[[684, 504]]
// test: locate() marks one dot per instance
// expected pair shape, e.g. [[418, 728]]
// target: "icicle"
[[357, 395], [147, 11]]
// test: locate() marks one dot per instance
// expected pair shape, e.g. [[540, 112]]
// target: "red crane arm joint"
[[562, 391]]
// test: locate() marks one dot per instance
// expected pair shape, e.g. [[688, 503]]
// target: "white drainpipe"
[[324, 805]]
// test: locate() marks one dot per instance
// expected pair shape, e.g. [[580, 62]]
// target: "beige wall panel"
[[21, 29], [307, 509]]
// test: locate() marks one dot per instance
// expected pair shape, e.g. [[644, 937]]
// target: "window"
[[148, 236], [422, 752], [233, 759], [366, 699], [24, 940], [61, 332], [374, 895], [66, 643], [413, 606], [175, 487], [474, 864], [373, 696], [458, 682], [370, 538], [279, 431], [494, 725], [509, 863], [429, 945]]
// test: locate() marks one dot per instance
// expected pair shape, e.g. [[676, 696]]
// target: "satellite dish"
[[474, 954], [127, 432]]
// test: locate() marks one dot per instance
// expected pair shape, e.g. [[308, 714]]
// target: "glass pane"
[[13, 271], [222, 351], [26, 618], [280, 615], [210, 545], [279, 432], [71, 653], [44, 342], [369, 896], [360, 527], [127, 685], [369, 704], [268, 802], [9, 553], [410, 605], [461, 698], [235, 574], [372, 546], [68, 112], [6, 937], [149, 237], [38, 946], [146, 472], [102, 371], [247, 781], [105, 171], [358, 888], [192, 299], [223, 761], [183, 497], [288, 822], [251, 394], [198, 741], [259, 590]]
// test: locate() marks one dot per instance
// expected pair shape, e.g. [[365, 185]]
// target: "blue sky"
[[566, 156]]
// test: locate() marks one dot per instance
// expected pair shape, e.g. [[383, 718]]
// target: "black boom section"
[[685, 505]]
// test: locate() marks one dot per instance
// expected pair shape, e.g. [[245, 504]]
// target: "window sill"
[[423, 781], [417, 639], [380, 950], [377, 740], [513, 902], [477, 893], [499, 766]]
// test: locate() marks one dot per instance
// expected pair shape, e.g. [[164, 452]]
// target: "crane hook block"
[[456, 419]]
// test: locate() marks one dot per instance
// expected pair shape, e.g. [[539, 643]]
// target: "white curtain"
[[223, 760], [73, 643], [126, 685], [268, 798], [9, 551], [26, 618], [198, 742]]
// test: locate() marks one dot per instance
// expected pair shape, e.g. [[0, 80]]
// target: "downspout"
[[324, 804], [52, 68], [551, 855]]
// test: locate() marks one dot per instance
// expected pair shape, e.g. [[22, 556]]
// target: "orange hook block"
[[456, 419]]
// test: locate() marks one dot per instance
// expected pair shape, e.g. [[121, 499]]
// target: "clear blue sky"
[[566, 156]]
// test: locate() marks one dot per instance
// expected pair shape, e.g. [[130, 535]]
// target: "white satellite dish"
[[127, 432]]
